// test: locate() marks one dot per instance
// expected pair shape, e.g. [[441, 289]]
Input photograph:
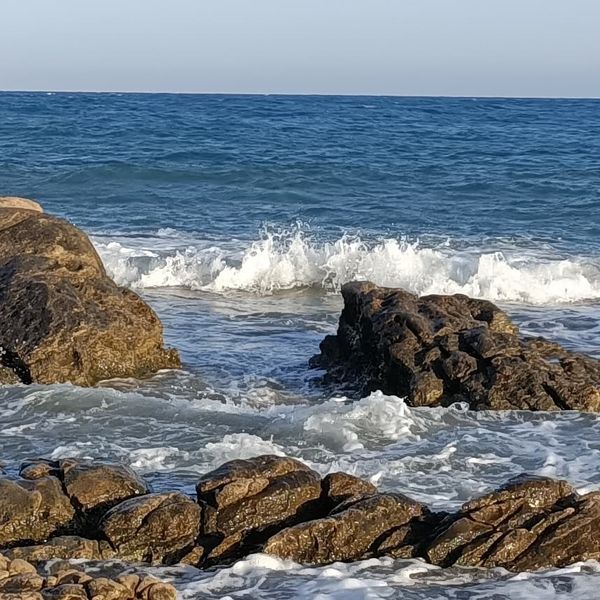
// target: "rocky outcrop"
[[61, 317], [21, 580], [244, 501], [529, 524], [437, 350], [280, 506]]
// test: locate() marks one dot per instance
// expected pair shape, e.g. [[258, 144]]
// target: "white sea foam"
[[291, 260]]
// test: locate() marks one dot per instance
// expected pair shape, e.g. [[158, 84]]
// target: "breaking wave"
[[294, 260]]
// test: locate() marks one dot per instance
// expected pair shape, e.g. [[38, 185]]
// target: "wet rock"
[[340, 487], [61, 317], [522, 524], [155, 528], [246, 500], [437, 350], [92, 487], [354, 531], [65, 548], [32, 511]]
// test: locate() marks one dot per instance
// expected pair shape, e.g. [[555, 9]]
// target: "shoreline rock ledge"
[[437, 350], [80, 510], [62, 319]]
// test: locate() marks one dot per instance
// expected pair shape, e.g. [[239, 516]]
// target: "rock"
[[246, 500], [92, 487], [155, 528], [352, 532], [61, 318], [32, 511], [65, 548], [19, 203], [437, 350], [340, 487], [68, 583], [528, 524]]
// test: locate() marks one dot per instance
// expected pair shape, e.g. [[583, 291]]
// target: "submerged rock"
[[437, 350], [61, 317]]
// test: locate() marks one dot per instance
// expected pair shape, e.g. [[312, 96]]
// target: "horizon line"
[[302, 94]]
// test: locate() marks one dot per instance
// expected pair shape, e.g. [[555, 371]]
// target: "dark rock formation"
[[353, 531], [437, 350], [280, 506], [61, 318], [155, 528], [21, 580], [245, 501]]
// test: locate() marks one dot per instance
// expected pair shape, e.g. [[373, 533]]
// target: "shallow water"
[[238, 219]]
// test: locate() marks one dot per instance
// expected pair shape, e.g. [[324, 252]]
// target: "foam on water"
[[280, 261]]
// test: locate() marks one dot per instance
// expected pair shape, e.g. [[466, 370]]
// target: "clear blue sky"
[[405, 47]]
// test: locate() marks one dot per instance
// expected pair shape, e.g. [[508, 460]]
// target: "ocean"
[[238, 218]]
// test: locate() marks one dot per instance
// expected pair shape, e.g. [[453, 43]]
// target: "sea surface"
[[238, 218]]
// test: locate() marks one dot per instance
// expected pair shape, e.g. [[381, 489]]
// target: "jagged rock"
[[340, 487], [437, 350], [65, 548], [353, 531], [155, 528], [93, 487], [528, 524], [61, 318], [32, 511], [245, 500]]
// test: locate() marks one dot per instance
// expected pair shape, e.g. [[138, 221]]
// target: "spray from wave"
[[282, 261]]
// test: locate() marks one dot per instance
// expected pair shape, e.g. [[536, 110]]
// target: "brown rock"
[[32, 511], [156, 528], [436, 350], [64, 548], [107, 589], [340, 487], [68, 591], [61, 318], [22, 582], [19, 203], [352, 532], [246, 500], [496, 529]]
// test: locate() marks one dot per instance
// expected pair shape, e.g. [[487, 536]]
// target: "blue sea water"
[[239, 217]]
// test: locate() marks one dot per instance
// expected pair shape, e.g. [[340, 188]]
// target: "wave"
[[283, 261]]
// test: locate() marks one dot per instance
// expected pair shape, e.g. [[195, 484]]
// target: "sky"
[[548, 48]]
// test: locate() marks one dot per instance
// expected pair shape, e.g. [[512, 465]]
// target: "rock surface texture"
[[280, 506], [21, 580], [437, 350], [61, 317]]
